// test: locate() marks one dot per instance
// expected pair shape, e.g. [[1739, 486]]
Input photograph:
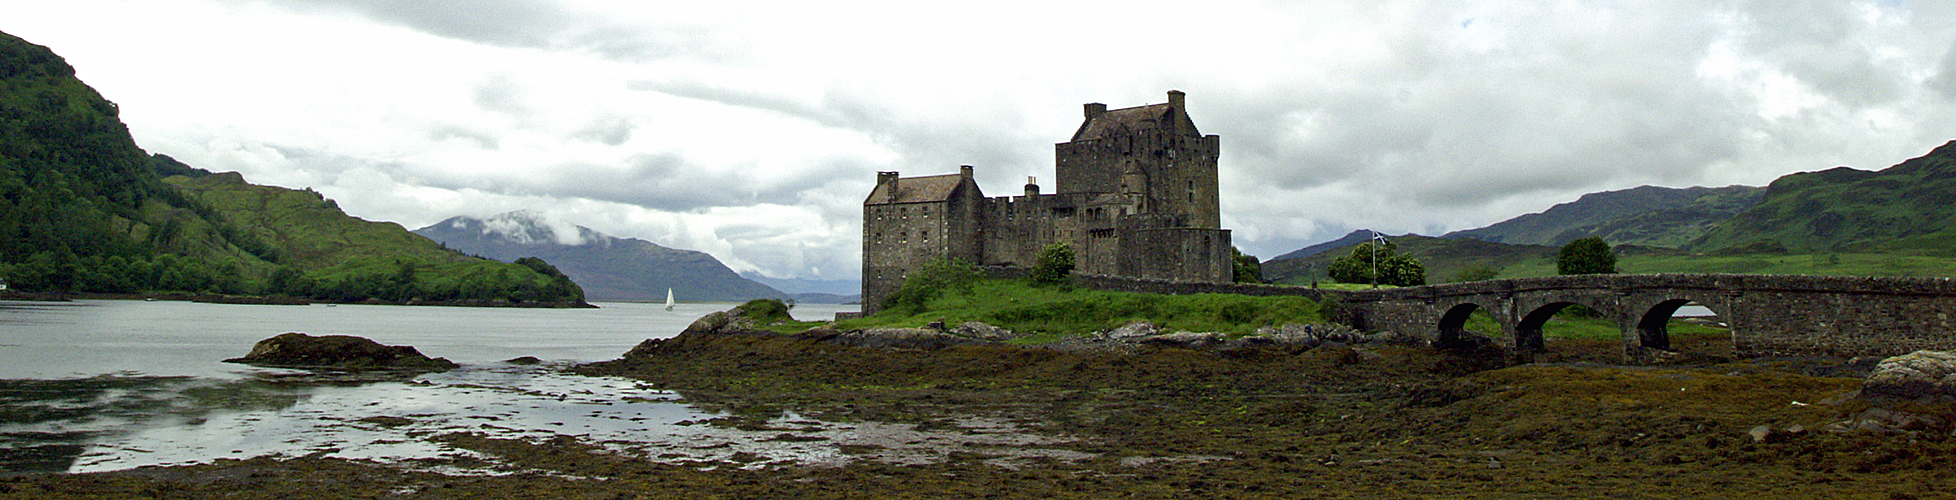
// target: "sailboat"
[[668, 299]]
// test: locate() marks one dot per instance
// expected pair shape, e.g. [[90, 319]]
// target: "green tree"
[[1054, 265], [1394, 268], [1247, 268], [1586, 256]]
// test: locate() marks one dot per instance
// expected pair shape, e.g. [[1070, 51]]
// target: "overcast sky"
[[753, 130]]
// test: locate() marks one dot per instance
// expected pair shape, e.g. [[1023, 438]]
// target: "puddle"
[[124, 421]]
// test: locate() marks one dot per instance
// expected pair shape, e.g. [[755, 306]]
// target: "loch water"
[[103, 385]]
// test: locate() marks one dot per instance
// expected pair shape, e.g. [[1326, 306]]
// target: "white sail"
[[668, 299]]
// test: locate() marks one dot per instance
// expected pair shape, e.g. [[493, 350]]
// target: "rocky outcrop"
[[1926, 376], [338, 352], [903, 338], [1186, 340]]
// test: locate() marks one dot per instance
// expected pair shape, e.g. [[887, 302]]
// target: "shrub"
[[1054, 265]]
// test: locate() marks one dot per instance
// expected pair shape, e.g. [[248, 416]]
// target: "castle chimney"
[[887, 181], [965, 170], [1177, 99], [1032, 186], [1095, 109]]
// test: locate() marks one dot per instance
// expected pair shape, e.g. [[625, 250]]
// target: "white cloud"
[[751, 130]]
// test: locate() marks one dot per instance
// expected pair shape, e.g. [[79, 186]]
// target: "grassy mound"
[[1016, 306]]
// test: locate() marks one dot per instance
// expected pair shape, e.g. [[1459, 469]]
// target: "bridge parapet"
[[1767, 314]]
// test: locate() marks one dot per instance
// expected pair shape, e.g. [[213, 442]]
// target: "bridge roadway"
[[1769, 315]]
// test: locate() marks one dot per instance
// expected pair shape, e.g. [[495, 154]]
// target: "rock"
[[903, 338], [1189, 340], [338, 352], [1927, 376], [1134, 330], [525, 360], [983, 331]]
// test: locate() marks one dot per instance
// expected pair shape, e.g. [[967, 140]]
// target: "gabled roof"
[[1152, 116], [916, 189]]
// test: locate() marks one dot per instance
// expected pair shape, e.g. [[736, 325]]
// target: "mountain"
[[1356, 237], [608, 267], [1647, 216], [1444, 258], [1909, 208], [83, 209]]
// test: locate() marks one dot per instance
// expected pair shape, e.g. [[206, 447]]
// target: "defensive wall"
[[1769, 315]]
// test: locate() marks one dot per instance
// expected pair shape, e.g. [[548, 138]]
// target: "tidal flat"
[[1326, 422]]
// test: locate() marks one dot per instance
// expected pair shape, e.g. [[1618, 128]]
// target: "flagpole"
[[1378, 240]]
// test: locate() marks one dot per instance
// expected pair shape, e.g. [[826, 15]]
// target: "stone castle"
[[1135, 196]]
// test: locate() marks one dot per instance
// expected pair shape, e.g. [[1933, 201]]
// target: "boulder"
[[1134, 330], [982, 331], [1188, 340], [1927, 376], [338, 352]]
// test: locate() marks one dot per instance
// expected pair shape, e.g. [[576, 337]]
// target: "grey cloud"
[[500, 95], [540, 24], [1825, 44], [1945, 80], [928, 138], [671, 182], [610, 131], [482, 139]]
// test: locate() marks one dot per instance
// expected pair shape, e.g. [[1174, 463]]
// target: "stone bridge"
[[1768, 315]]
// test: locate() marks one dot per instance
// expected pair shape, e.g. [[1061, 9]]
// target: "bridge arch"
[[1537, 313], [1653, 316], [1452, 328]]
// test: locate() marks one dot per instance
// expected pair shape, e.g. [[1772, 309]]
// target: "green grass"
[[1052, 311]]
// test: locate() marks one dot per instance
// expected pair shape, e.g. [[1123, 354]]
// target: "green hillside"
[[80, 207], [1907, 209], [83, 209]]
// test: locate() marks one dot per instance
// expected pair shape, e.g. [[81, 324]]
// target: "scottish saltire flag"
[[1378, 237]]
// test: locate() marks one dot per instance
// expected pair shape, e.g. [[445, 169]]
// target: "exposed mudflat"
[[1007, 422]]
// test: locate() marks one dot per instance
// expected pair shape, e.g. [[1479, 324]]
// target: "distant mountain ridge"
[[607, 267], [1646, 215]]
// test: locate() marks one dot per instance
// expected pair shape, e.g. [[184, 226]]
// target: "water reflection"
[[122, 422]]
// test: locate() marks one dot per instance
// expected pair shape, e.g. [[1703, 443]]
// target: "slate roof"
[[917, 189], [1152, 116]]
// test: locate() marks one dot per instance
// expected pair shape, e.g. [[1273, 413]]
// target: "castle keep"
[[1135, 195]]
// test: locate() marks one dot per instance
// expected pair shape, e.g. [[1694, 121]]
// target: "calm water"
[[109, 385], [43, 340]]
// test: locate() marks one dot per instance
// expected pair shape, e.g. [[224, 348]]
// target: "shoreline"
[[1361, 419]]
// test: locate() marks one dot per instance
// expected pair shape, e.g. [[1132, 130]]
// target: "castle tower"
[[1161, 141]]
